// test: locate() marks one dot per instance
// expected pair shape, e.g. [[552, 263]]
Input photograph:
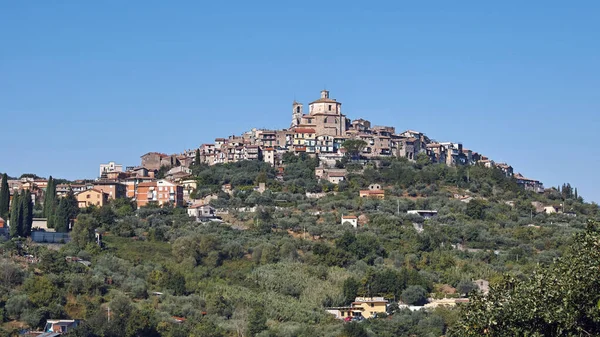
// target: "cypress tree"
[[4, 197], [27, 219], [61, 217], [72, 203], [197, 159], [15, 209], [50, 202]]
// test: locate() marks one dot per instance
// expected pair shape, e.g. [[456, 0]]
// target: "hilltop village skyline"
[[321, 131]]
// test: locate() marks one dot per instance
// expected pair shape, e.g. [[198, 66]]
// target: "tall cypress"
[[27, 219], [4, 197], [197, 159], [50, 202], [72, 203], [61, 217], [15, 209]]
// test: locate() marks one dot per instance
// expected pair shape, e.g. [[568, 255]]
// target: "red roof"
[[304, 130], [147, 184]]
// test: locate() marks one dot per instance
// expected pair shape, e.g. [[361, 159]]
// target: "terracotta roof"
[[92, 189], [336, 174], [147, 184], [349, 217], [304, 130]]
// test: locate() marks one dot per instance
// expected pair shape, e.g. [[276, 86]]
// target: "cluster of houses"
[[322, 132], [137, 184]]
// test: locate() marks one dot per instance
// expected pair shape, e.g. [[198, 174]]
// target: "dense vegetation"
[[271, 271]]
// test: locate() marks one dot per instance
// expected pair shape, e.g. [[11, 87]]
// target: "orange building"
[[161, 191], [91, 197], [112, 188]]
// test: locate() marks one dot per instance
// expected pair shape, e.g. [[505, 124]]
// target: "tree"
[[354, 147], [414, 295], [73, 205], [197, 158], [83, 230], [27, 218], [141, 323], [50, 202], [40, 291], [61, 217], [465, 287], [354, 329], [422, 159], [350, 289], [257, 322], [207, 328], [476, 209], [4, 197], [16, 212], [558, 300]]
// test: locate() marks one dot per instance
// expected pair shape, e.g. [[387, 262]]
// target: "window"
[[88, 196], [297, 109], [329, 107]]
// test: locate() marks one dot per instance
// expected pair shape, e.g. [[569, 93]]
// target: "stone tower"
[[296, 113]]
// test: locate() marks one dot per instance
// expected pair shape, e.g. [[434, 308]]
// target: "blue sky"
[[86, 82]]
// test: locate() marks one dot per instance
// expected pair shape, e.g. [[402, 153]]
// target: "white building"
[[110, 167], [351, 219]]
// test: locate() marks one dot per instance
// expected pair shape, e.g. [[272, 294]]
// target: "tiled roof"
[[304, 130]]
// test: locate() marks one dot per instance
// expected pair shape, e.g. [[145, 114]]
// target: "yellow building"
[[91, 197], [366, 307], [370, 306]]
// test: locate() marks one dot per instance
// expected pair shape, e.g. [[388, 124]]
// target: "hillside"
[[272, 272]]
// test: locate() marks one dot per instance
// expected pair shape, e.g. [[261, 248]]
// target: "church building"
[[325, 116]]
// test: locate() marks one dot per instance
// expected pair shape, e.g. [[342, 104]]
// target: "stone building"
[[325, 116]]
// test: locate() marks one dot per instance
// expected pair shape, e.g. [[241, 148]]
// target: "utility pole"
[[398, 207], [108, 314]]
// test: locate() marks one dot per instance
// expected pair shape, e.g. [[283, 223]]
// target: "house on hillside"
[[93, 197], [203, 212], [529, 184], [350, 219], [160, 191], [370, 306], [60, 326], [374, 191], [426, 214], [114, 189], [367, 307]]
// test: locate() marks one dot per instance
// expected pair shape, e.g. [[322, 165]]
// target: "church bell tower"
[[296, 114]]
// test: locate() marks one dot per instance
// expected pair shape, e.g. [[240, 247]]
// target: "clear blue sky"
[[86, 82]]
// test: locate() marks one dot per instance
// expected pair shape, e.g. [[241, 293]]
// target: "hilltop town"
[[330, 222], [323, 132]]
